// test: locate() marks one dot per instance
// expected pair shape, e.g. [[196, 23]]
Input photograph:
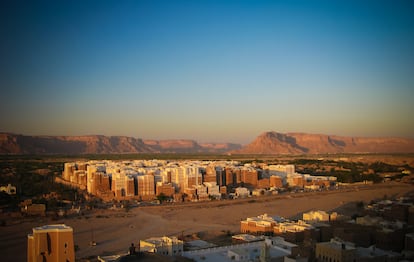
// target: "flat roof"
[[220, 254], [336, 245], [54, 227]]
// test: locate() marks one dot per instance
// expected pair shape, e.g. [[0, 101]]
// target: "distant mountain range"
[[98, 144], [266, 143]]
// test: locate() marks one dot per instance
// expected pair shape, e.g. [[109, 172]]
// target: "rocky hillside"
[[300, 143], [94, 144], [97, 144]]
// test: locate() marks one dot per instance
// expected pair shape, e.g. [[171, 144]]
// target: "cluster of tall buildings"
[[197, 180]]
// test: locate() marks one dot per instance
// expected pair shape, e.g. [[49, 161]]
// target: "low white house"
[[242, 192], [162, 245]]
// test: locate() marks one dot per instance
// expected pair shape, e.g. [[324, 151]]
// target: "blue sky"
[[212, 71]]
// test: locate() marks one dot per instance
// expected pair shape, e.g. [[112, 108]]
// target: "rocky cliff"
[[93, 144], [301, 143]]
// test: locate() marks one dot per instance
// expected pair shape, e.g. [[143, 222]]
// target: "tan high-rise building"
[[129, 186], [118, 185], [82, 166], [211, 175], [250, 176], [263, 183], [101, 182], [178, 178], [51, 243], [192, 176], [276, 181], [146, 186], [230, 176], [90, 180], [68, 170], [238, 176], [166, 189], [298, 181]]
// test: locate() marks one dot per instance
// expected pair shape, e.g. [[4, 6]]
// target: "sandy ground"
[[114, 230]]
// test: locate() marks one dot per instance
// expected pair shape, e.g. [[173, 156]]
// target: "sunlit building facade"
[[52, 243]]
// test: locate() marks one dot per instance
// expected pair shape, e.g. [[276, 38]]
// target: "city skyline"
[[212, 71]]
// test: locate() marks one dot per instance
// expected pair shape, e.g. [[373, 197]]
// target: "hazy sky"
[[207, 70]]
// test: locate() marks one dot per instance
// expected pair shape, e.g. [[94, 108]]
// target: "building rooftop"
[[163, 240], [240, 251], [252, 250], [198, 244], [55, 227], [280, 242], [247, 237], [263, 217], [372, 252], [338, 244]]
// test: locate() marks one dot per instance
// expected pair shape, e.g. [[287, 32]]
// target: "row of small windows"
[[329, 259], [175, 251]]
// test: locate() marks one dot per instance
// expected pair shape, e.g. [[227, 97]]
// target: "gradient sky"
[[212, 71]]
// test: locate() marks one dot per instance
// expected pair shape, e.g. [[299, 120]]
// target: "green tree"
[[162, 197]]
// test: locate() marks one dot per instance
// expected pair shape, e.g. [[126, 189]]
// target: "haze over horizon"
[[212, 71]]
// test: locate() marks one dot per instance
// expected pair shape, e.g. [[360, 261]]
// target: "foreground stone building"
[[52, 243]]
